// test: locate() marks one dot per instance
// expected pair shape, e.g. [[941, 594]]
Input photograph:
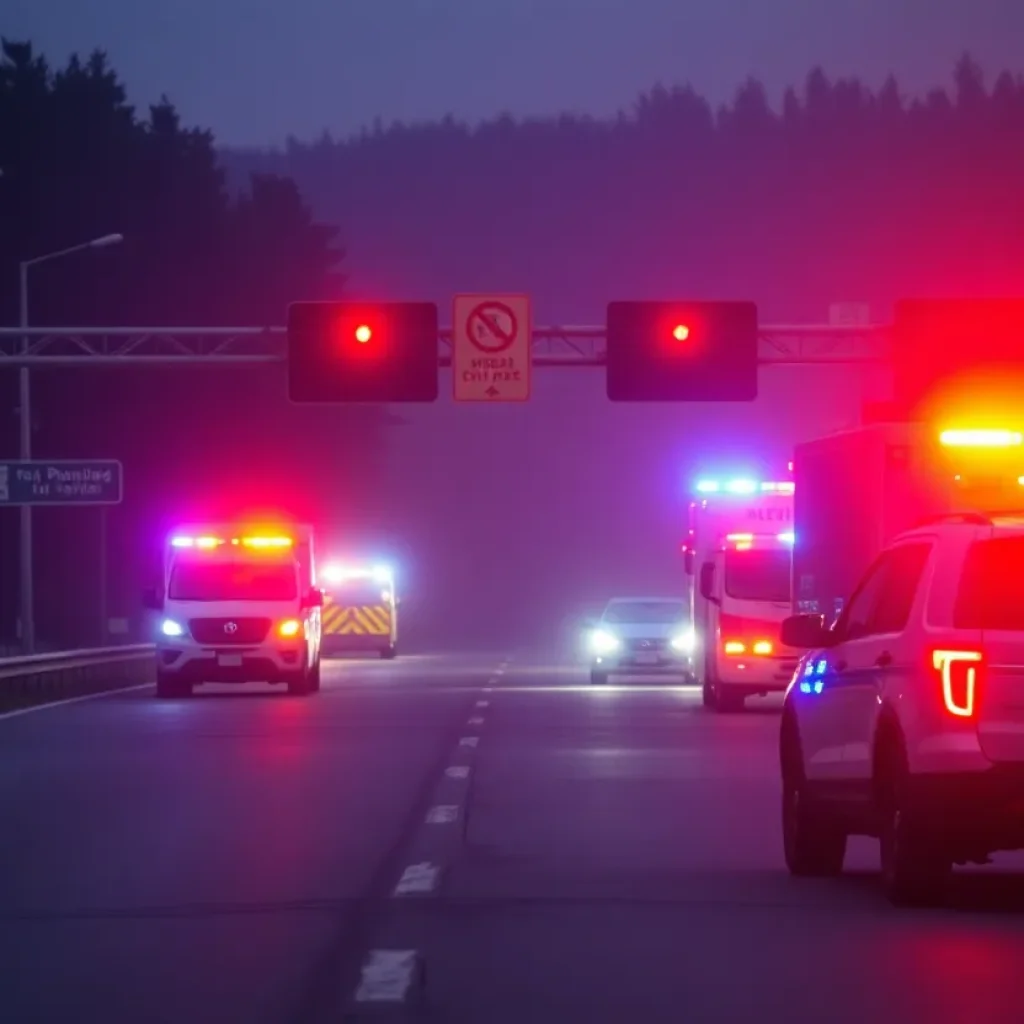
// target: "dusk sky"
[[256, 71]]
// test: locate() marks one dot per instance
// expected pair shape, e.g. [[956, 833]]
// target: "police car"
[[905, 720]]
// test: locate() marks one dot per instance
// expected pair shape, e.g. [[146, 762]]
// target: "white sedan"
[[641, 636]]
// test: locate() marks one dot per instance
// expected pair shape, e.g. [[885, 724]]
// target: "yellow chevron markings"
[[363, 620]]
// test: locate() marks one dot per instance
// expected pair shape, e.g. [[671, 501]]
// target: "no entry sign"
[[491, 348]]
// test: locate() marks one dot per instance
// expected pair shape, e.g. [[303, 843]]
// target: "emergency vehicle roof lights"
[[749, 538], [207, 543], [981, 438], [265, 542], [741, 486], [340, 573]]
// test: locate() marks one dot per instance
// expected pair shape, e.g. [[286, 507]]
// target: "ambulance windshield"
[[197, 580], [764, 575]]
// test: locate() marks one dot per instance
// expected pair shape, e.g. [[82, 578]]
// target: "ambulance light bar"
[[981, 438], [340, 574], [207, 543], [741, 486], [744, 541]]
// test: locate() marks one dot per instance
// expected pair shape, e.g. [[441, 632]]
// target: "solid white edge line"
[[418, 879], [73, 700], [386, 976]]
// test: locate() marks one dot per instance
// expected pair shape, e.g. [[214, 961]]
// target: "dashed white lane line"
[[469, 741], [483, 703], [457, 771], [443, 814], [418, 880], [387, 976], [475, 720]]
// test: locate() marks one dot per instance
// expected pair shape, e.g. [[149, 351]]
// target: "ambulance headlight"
[[382, 574], [602, 642], [683, 642], [171, 628]]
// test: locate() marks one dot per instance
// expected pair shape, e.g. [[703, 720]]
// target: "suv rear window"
[[991, 590]]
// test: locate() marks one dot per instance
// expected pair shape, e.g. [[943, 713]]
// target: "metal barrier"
[[39, 678]]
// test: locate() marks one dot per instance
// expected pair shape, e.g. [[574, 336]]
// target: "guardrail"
[[38, 678]]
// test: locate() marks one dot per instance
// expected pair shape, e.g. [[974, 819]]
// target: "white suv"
[[906, 721]]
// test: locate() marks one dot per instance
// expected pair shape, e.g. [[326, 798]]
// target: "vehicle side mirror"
[[688, 563], [806, 632], [314, 599], [152, 599], [707, 582]]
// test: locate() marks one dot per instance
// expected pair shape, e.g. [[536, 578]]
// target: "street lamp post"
[[28, 629]]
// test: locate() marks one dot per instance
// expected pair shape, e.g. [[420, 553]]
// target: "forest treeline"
[[78, 162], [838, 193]]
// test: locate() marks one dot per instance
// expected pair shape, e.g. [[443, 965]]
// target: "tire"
[[314, 678], [598, 678], [813, 845], [728, 702], [300, 684], [914, 870], [707, 694], [169, 686]]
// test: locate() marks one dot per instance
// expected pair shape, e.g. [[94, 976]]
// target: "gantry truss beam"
[[552, 346]]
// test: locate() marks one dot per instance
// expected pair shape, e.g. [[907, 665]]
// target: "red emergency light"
[[363, 333], [681, 332]]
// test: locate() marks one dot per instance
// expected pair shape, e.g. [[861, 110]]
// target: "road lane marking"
[[483, 703], [73, 700], [442, 814], [418, 879], [475, 720], [387, 976], [469, 741], [457, 771]]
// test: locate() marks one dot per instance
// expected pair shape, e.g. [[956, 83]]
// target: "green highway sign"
[[61, 482]]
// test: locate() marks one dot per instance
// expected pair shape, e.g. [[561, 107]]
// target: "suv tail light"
[[958, 670]]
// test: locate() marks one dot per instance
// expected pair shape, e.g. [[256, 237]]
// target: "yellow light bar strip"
[[980, 438]]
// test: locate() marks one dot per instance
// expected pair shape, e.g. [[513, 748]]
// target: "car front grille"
[[229, 631]]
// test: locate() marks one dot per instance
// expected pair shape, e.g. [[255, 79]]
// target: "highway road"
[[488, 835]]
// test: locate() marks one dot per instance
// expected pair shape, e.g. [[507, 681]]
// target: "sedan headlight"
[[603, 642], [683, 642]]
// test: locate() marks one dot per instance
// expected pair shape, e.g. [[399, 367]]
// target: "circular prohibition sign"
[[492, 327]]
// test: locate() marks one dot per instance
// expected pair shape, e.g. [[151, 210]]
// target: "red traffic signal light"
[[363, 352], [686, 351]]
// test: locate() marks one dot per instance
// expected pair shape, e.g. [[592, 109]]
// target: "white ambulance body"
[[738, 558], [238, 604]]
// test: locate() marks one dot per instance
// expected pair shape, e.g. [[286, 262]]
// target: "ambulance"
[[738, 558], [238, 604], [360, 613]]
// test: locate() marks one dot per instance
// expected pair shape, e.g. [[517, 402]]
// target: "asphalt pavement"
[[474, 838]]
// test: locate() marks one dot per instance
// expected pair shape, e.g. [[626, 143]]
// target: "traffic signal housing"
[[363, 352], [958, 357], [684, 351]]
